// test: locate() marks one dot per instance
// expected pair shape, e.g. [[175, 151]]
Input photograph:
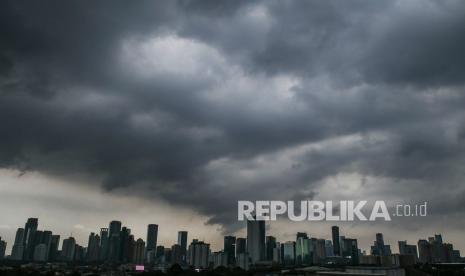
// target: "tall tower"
[[256, 240], [152, 235], [336, 246], [182, 241], [29, 236], [230, 249]]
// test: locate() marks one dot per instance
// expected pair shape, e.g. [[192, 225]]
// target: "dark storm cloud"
[[203, 103]]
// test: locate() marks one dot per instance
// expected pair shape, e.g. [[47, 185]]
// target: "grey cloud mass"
[[202, 103]]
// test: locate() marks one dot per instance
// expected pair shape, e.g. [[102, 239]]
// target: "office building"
[[229, 249], [335, 236], [139, 252], [68, 249], [198, 254], [17, 253], [256, 240], [182, 241], [241, 246], [151, 246]]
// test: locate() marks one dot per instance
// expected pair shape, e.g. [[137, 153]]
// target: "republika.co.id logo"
[[311, 210]]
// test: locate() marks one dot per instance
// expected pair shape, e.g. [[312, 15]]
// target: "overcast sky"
[[169, 112]]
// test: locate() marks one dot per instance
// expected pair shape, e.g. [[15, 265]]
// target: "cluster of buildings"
[[116, 245]]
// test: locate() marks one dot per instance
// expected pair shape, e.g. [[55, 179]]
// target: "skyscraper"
[[288, 253], [29, 231], [124, 252], [104, 243], [68, 249], [379, 248], [336, 246], [182, 241], [230, 249], [270, 245], [152, 235], [93, 247], [198, 254], [53, 253], [17, 252], [256, 240], [139, 250], [241, 246], [114, 242], [408, 249]]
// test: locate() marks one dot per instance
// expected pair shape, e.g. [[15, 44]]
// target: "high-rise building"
[[288, 253], [68, 249], [256, 240], [29, 237], [424, 251], [379, 248], [93, 247], [152, 235], [241, 246], [182, 241], [277, 258], [198, 254], [53, 253], [139, 251], [125, 243], [229, 249], [408, 249], [270, 245], [2, 249], [114, 242], [329, 250], [104, 244], [176, 254], [17, 252], [336, 246], [40, 253], [303, 250], [350, 247]]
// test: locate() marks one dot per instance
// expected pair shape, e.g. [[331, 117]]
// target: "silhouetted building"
[[114, 243], [336, 246], [104, 244], [93, 248], [152, 235], [289, 253], [125, 251], [29, 237], [198, 254], [229, 249], [351, 250], [241, 246], [256, 240], [40, 253], [182, 241], [68, 249], [176, 254], [379, 248], [303, 250], [17, 252], [139, 252], [424, 252], [53, 253], [270, 245], [407, 249]]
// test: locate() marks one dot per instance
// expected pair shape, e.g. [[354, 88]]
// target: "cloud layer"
[[202, 103]]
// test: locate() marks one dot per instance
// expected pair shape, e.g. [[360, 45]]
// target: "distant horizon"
[[394, 246]]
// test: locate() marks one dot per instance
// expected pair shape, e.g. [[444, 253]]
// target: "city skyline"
[[330, 235]]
